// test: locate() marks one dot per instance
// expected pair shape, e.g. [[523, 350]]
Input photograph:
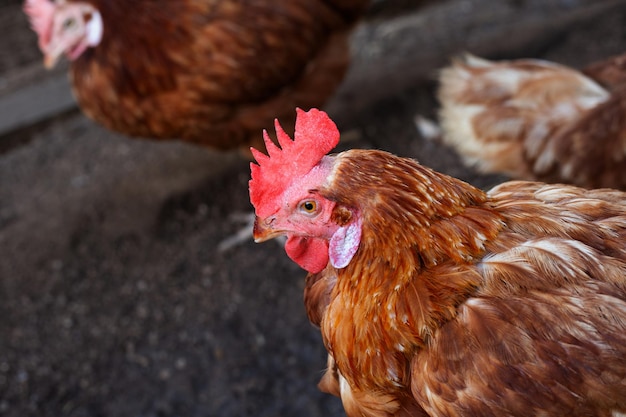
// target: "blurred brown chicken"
[[537, 120], [610, 73], [436, 298], [212, 72]]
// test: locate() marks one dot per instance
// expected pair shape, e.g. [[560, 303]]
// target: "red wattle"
[[310, 253]]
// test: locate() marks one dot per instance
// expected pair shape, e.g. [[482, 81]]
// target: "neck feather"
[[408, 208], [422, 234]]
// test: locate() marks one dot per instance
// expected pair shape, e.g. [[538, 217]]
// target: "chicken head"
[[317, 229], [64, 28]]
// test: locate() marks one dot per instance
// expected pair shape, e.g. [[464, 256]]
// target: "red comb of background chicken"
[[315, 135], [39, 14]]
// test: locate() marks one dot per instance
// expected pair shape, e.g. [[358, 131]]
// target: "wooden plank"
[[35, 103]]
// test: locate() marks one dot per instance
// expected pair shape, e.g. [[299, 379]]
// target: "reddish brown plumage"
[[212, 72], [538, 120], [610, 73], [465, 303]]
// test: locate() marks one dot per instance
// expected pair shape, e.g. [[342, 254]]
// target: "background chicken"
[[610, 72], [538, 120], [436, 298], [205, 71]]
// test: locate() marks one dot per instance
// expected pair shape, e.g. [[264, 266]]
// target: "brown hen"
[[436, 298], [538, 120], [211, 72]]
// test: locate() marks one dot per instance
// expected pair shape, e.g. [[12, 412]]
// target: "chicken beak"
[[50, 60], [264, 229], [51, 54]]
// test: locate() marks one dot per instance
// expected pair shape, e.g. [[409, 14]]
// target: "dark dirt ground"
[[114, 300]]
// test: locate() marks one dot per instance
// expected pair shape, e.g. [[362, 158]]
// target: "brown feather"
[[317, 289], [537, 120], [460, 302], [610, 73], [212, 72]]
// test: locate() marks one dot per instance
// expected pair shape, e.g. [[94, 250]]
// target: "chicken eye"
[[309, 206], [69, 23]]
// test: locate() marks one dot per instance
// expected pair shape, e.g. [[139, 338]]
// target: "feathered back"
[[501, 116], [182, 69]]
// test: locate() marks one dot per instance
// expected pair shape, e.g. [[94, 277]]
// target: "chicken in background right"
[[537, 120]]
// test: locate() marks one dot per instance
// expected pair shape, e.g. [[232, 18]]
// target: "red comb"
[[315, 135], [40, 14]]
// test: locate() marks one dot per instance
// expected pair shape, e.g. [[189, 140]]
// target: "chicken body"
[[537, 120], [457, 302], [212, 72]]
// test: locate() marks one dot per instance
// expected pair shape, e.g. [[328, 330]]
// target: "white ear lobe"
[[94, 29], [344, 244]]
